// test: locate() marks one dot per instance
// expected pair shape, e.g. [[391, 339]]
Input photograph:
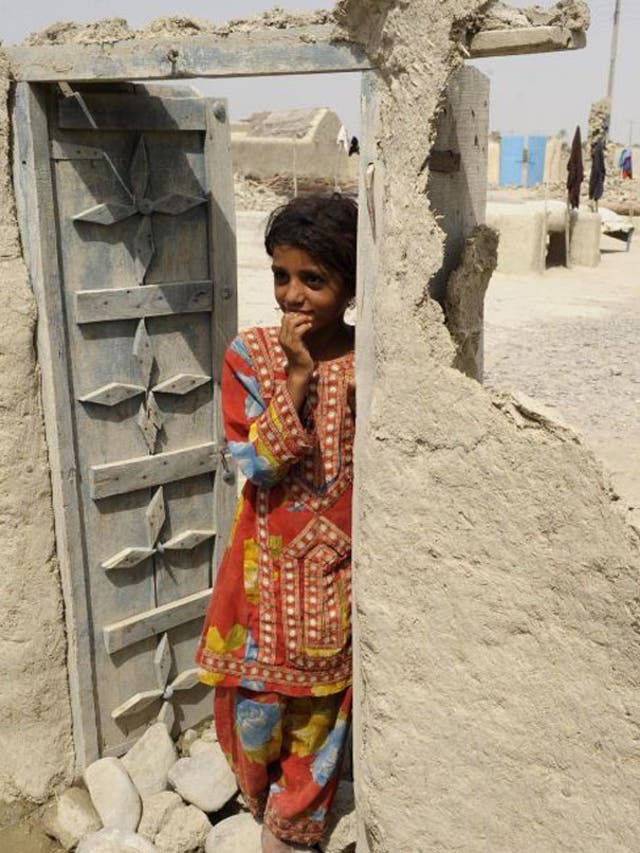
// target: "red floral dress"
[[279, 617]]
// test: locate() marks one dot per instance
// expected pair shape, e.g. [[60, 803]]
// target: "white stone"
[[206, 780], [185, 741], [199, 746], [114, 840], [149, 760], [238, 834], [113, 794], [156, 809], [209, 734], [341, 832], [185, 831], [70, 817]]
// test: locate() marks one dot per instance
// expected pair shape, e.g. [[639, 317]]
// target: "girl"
[[277, 637]]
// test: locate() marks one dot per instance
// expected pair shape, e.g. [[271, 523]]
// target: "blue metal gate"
[[511, 157], [537, 146]]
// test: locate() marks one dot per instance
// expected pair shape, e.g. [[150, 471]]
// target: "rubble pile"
[[162, 797], [111, 30], [599, 119], [259, 195], [570, 14], [623, 197]]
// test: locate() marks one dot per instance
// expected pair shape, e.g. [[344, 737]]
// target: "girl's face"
[[302, 286]]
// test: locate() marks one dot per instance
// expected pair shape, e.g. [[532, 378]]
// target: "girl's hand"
[[292, 330], [351, 396]]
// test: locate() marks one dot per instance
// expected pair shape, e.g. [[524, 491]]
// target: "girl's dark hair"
[[324, 226]]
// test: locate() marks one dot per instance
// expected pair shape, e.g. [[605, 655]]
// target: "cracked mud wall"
[[464, 299], [496, 583], [35, 726]]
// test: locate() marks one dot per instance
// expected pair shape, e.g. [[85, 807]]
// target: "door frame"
[[34, 69]]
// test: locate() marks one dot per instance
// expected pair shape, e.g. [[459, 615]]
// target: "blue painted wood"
[[511, 157], [536, 149]]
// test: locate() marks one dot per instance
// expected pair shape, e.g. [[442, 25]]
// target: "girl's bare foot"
[[272, 844]]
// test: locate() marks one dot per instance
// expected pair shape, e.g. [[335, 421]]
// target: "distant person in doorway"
[[354, 146], [276, 643], [626, 164]]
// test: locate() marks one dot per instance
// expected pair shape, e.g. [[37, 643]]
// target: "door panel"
[[144, 228], [511, 158], [536, 146]]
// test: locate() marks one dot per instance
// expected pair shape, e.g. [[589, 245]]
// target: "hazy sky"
[[530, 94]]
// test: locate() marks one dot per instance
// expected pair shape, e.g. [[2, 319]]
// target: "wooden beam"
[[143, 472], [121, 634], [525, 40], [223, 264], [149, 300], [121, 111], [296, 50]]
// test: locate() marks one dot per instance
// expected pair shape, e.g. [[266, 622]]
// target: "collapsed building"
[[496, 606]]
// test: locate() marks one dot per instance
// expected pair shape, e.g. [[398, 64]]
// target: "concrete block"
[[522, 247], [586, 233], [555, 161], [493, 162], [556, 212]]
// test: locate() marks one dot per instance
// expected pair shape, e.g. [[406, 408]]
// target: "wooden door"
[[126, 205]]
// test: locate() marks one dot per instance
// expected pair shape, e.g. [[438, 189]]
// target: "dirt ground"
[[570, 338], [21, 832]]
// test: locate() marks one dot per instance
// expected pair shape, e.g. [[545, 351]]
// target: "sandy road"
[[571, 339]]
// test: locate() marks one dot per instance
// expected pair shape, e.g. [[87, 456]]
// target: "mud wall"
[[316, 155], [35, 723], [496, 583]]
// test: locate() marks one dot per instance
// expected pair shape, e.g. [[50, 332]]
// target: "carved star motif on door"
[[110, 212], [166, 690], [150, 417], [155, 518]]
